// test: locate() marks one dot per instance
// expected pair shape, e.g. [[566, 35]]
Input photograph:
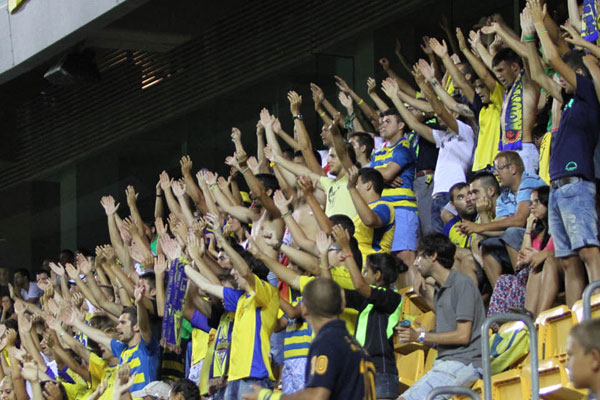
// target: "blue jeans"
[[235, 389], [572, 217], [438, 203], [443, 373]]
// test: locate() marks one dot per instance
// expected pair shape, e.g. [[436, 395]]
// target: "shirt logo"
[[571, 166]]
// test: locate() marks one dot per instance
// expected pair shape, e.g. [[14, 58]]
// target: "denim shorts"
[[235, 389], [386, 386], [406, 230], [496, 246], [572, 217], [443, 373]]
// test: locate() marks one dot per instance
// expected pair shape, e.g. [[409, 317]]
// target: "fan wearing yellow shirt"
[[374, 224], [100, 368], [255, 304]]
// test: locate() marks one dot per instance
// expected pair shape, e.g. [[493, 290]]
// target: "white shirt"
[[454, 158]]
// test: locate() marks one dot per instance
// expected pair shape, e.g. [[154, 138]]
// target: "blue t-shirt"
[[573, 145], [400, 153], [142, 358], [507, 203]]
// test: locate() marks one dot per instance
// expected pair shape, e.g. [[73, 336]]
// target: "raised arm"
[[190, 185], [372, 90], [365, 107], [509, 40], [391, 90], [536, 70], [342, 237], [283, 273], [460, 82], [439, 109], [291, 166], [593, 66], [367, 216], [478, 66], [142, 312], [204, 284], [538, 13], [179, 190], [318, 98], [402, 84]]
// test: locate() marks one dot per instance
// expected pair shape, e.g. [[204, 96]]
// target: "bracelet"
[[61, 334], [529, 38], [541, 32], [529, 41], [286, 214], [243, 171], [212, 187], [360, 102], [322, 114], [158, 194]]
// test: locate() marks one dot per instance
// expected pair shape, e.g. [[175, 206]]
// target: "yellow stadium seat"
[[477, 388], [431, 357], [554, 381], [554, 327], [508, 385], [577, 309], [426, 320], [410, 368]]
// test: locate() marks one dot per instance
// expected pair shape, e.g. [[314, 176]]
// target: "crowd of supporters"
[[475, 185]]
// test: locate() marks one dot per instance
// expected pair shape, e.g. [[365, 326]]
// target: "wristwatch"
[[421, 338], [299, 116]]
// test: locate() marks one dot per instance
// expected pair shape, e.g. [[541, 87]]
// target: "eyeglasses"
[[500, 168]]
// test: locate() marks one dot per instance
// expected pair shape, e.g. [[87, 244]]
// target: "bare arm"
[[478, 66]]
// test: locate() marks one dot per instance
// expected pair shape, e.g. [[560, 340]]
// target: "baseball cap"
[[156, 389]]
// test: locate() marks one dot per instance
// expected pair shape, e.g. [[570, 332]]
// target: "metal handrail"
[[533, 353], [452, 390], [587, 299]]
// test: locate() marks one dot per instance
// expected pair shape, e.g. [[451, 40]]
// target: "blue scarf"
[[589, 18], [513, 117], [174, 305]]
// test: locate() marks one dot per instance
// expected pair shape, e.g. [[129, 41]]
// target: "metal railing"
[[454, 390], [587, 299], [533, 353]]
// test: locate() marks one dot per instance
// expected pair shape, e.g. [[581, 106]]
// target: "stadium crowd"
[[475, 185]]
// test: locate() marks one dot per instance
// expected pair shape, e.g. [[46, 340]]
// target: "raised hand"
[[161, 265], [260, 129], [52, 391], [390, 88], [346, 101], [25, 322], [131, 195], [490, 29], [108, 202], [281, 202], [295, 102], [232, 161], [385, 63], [371, 85], [570, 34], [195, 247], [341, 84], [266, 119], [440, 49], [236, 134], [253, 165], [209, 177], [269, 153], [341, 236], [474, 38], [213, 223], [186, 165], [305, 184], [317, 94], [323, 242], [165, 182], [178, 188], [198, 226], [538, 12], [129, 225], [241, 157], [462, 43], [84, 265], [426, 69], [277, 126], [139, 291], [71, 271], [425, 46], [398, 48], [30, 372], [161, 228], [170, 247], [352, 177], [20, 306], [527, 26], [57, 269], [109, 253]]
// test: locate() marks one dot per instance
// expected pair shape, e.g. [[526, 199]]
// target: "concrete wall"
[[40, 29]]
